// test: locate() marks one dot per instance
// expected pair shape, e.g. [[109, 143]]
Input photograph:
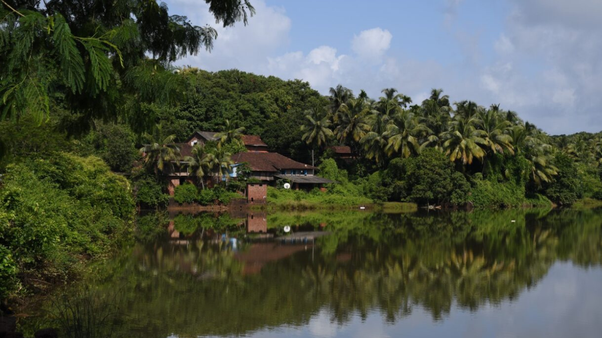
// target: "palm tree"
[[318, 131], [463, 141], [495, 132], [466, 110], [435, 114], [403, 135], [374, 146], [199, 164], [230, 133], [338, 96], [161, 154], [221, 163], [351, 123]]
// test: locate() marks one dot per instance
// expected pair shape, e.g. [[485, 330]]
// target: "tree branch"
[[12, 9]]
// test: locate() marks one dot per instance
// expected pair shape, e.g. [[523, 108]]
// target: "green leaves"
[[100, 68], [70, 60]]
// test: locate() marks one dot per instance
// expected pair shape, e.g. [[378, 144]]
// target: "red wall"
[[257, 193]]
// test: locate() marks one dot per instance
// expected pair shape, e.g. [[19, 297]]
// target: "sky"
[[540, 58]]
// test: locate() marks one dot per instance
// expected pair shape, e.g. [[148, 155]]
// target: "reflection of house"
[[257, 223], [260, 254]]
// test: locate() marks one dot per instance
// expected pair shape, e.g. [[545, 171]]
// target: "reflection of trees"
[[386, 263]]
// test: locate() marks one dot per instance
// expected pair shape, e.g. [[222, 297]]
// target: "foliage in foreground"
[[56, 212]]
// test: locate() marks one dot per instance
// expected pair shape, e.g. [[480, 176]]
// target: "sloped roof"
[[272, 162], [185, 149], [253, 140], [341, 149], [305, 179], [207, 135]]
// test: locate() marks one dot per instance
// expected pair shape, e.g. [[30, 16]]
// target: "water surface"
[[480, 274]]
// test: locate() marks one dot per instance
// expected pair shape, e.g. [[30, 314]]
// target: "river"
[[351, 274]]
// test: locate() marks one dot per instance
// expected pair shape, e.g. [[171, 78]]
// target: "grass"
[[587, 203], [335, 198]]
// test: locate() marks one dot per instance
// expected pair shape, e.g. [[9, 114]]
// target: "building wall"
[[257, 193], [257, 223]]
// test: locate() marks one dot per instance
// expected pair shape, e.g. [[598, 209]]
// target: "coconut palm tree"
[[161, 154], [221, 163], [495, 131], [230, 133], [338, 96], [199, 164], [351, 124], [463, 141], [317, 131], [403, 135]]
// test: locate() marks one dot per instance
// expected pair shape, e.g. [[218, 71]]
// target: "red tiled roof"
[[341, 149], [185, 149], [253, 140], [272, 162]]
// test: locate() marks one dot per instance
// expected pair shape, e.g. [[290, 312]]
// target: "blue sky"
[[540, 58]]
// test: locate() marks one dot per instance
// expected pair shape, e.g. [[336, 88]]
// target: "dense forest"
[[85, 86]]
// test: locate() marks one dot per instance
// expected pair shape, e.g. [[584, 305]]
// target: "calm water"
[[480, 274]]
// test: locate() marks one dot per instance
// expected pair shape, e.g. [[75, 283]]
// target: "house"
[[265, 166], [342, 152], [269, 167]]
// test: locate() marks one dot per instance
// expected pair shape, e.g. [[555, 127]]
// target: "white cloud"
[[503, 45], [242, 47], [372, 44]]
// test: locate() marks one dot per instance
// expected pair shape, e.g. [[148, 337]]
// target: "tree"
[[350, 121], [566, 187], [403, 135], [161, 154], [463, 142], [221, 163], [97, 60], [318, 131], [339, 96], [229, 134], [200, 163]]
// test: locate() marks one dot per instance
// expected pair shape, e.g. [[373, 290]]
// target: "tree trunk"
[[312, 158]]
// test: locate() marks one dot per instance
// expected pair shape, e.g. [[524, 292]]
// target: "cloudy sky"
[[541, 58]]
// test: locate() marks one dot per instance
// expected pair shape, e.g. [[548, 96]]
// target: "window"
[[193, 143]]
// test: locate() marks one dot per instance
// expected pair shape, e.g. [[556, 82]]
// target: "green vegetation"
[[189, 193], [81, 83], [56, 212]]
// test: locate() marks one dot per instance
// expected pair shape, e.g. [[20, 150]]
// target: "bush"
[[206, 197], [149, 193], [56, 211], [567, 186], [185, 193]]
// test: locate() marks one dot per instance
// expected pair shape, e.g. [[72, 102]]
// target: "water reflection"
[[373, 271]]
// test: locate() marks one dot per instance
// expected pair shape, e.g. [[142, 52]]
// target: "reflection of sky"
[[566, 303]]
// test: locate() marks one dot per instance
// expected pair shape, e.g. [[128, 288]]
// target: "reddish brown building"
[[269, 167], [257, 193]]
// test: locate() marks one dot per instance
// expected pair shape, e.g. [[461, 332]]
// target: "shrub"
[[149, 193], [185, 193], [206, 197], [55, 211]]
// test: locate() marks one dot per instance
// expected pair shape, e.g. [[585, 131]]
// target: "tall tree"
[[200, 163], [317, 131], [96, 59]]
